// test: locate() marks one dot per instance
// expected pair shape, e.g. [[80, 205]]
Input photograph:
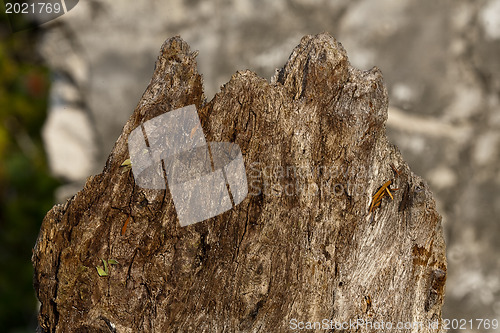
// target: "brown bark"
[[302, 246]]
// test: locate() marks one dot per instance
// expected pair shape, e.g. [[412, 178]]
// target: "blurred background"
[[68, 86]]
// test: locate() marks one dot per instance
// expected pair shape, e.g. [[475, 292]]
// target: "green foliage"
[[105, 271], [26, 187]]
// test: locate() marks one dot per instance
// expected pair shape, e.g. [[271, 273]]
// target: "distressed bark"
[[302, 246]]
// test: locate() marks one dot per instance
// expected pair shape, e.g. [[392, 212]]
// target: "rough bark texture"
[[302, 247]]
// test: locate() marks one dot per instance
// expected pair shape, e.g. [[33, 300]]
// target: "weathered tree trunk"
[[304, 246]]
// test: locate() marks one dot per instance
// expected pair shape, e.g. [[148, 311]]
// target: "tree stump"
[[323, 240]]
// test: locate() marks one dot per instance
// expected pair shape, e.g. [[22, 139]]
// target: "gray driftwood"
[[303, 246]]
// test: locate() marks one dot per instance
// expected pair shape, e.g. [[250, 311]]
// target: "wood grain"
[[299, 247]]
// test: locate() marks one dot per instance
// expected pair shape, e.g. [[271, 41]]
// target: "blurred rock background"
[[441, 65]]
